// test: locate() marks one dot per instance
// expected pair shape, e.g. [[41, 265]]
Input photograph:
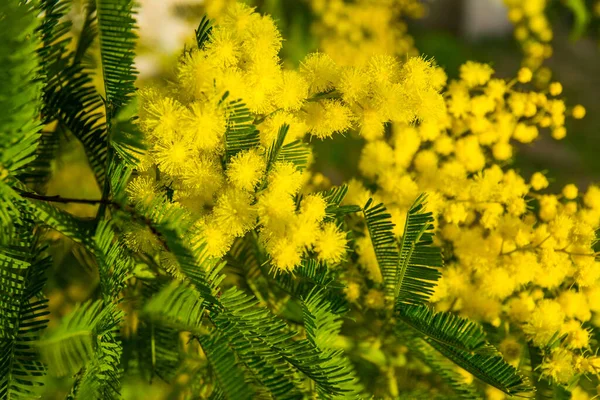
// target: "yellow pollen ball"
[[578, 111], [330, 244], [555, 88], [538, 181], [570, 191], [524, 75]]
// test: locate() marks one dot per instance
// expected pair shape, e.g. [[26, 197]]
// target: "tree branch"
[[63, 200]]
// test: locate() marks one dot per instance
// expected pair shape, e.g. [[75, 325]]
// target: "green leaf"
[[295, 152], [257, 337], [582, 17], [114, 264], [224, 365], [418, 271], [116, 27], [101, 378], [334, 198], [491, 369], [20, 89], [241, 133], [203, 32], [177, 305], [70, 96], [9, 212], [24, 314], [445, 328], [444, 368], [126, 138], [78, 230], [323, 322], [71, 345], [380, 227]]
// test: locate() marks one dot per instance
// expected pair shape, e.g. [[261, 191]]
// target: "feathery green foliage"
[[117, 48], [445, 368], [419, 259], [23, 310], [445, 328], [241, 133], [381, 228], [231, 327], [491, 369]]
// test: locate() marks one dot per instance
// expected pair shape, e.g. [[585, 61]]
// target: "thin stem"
[[63, 200], [105, 202]]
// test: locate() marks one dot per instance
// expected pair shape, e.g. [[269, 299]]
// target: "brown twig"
[[126, 208]]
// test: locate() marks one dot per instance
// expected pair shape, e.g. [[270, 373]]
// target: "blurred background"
[[450, 31]]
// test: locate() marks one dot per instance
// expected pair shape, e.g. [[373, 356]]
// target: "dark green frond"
[[334, 198], [21, 87], [241, 133], [491, 369], [116, 27], [445, 328], [420, 260], [295, 152], [322, 320], [70, 96], [177, 305], [71, 345], [224, 365], [114, 265], [275, 148], [257, 337], [80, 231], [101, 377], [24, 311], [380, 226], [40, 169], [125, 137], [203, 32], [444, 368], [119, 175], [9, 212], [309, 274]]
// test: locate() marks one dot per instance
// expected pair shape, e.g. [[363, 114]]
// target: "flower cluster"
[[532, 30], [352, 32], [517, 257], [187, 123]]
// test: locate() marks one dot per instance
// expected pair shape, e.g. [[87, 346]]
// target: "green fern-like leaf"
[[491, 369], [380, 226], [116, 27], [256, 336], [232, 382], [178, 305], [101, 376], [334, 198], [70, 97], [80, 231], [21, 88], [125, 137], [295, 152], [74, 342], [322, 320], [445, 328], [114, 265], [241, 133], [444, 368], [418, 270], [24, 311], [203, 31]]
